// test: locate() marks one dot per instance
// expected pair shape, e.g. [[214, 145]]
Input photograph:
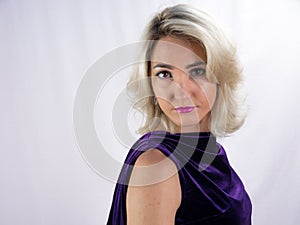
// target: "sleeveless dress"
[[211, 191]]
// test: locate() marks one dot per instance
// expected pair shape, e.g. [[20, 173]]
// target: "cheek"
[[203, 92], [164, 96], [208, 93], [210, 90], [162, 88], [165, 105]]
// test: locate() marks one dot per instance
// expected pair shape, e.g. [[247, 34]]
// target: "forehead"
[[177, 52]]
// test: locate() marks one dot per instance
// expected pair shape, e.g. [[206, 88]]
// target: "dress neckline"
[[192, 133]]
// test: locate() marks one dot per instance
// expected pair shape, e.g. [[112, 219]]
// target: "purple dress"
[[212, 193]]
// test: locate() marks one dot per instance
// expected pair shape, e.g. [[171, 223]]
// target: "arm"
[[157, 202]]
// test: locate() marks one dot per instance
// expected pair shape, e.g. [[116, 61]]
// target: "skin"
[[157, 203], [178, 79], [176, 83]]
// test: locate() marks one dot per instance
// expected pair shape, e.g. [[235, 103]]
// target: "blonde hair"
[[188, 23]]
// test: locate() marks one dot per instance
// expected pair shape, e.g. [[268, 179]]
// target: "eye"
[[164, 74], [197, 72]]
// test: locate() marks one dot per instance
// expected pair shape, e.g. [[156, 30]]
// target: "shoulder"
[[150, 157], [152, 167], [154, 192]]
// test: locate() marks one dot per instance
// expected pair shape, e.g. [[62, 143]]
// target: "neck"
[[202, 127]]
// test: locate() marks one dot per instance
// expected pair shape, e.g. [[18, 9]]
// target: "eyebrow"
[[198, 63], [163, 65]]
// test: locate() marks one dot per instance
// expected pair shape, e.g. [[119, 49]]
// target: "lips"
[[185, 109]]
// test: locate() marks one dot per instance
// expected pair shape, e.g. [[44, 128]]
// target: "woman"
[[177, 173]]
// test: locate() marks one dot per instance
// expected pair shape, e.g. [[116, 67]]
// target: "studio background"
[[47, 46]]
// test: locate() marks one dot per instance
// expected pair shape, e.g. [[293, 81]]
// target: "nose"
[[182, 86]]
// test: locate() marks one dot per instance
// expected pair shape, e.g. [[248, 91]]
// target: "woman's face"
[[178, 75]]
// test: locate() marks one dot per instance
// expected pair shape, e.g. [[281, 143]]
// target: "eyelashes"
[[164, 74], [197, 72], [194, 73]]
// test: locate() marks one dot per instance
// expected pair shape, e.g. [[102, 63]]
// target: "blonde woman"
[[177, 173]]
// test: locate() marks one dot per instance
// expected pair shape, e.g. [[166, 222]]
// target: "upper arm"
[[154, 192]]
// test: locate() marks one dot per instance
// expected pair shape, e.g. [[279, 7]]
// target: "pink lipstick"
[[186, 109]]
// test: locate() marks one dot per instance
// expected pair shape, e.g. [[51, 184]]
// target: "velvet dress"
[[211, 191]]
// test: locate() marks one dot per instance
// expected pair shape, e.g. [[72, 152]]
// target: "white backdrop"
[[46, 47]]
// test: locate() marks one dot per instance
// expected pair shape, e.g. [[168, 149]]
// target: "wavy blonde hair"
[[190, 24]]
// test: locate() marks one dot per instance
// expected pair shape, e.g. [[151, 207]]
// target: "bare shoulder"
[[150, 157], [152, 167], [154, 192]]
